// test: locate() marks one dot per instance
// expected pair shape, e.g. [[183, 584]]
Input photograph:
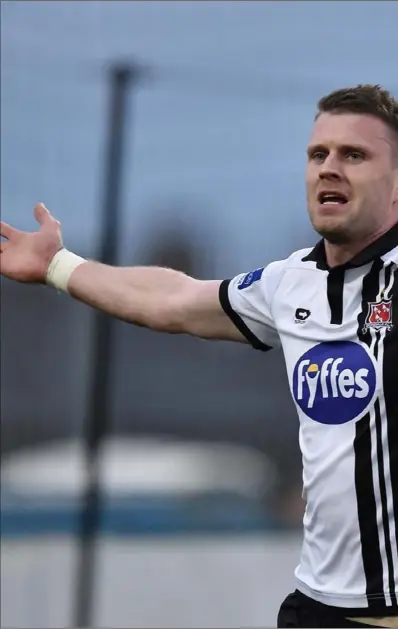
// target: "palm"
[[25, 256]]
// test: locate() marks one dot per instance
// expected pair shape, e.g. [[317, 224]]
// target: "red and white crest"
[[379, 315]]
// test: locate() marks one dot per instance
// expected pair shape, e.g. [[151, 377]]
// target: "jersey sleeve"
[[247, 298]]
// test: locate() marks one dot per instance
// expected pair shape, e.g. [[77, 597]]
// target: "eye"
[[318, 156], [354, 156]]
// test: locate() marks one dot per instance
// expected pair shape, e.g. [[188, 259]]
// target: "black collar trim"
[[376, 249]]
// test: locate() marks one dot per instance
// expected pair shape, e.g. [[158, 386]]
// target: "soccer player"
[[334, 311]]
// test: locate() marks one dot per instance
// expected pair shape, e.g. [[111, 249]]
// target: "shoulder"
[[391, 256], [296, 260], [270, 276]]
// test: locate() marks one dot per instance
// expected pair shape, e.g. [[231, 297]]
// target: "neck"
[[337, 254], [340, 254]]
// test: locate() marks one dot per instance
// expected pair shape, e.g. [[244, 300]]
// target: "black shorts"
[[297, 610]]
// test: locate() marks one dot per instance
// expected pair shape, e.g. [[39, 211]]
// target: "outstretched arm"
[[157, 298]]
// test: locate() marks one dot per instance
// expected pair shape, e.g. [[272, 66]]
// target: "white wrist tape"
[[61, 268]]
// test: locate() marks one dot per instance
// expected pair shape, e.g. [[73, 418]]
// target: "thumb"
[[41, 213]]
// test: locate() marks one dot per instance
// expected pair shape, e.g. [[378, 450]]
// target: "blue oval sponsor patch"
[[334, 383]]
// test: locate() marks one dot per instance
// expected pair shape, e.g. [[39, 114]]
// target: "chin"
[[335, 237], [335, 234]]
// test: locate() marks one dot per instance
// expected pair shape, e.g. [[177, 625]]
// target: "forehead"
[[339, 129]]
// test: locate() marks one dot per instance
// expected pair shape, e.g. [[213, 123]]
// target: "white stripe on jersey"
[[376, 480], [378, 339]]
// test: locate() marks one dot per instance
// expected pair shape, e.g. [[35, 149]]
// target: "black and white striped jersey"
[[338, 329]]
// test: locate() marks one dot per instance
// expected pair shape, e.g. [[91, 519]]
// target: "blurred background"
[[148, 480]]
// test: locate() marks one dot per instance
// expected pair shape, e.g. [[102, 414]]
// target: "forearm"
[[146, 296], [153, 297]]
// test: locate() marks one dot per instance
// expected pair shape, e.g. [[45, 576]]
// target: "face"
[[352, 179]]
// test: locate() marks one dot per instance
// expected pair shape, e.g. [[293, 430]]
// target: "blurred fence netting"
[[200, 471]]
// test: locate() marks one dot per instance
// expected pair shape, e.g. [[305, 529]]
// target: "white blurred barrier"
[[207, 575], [139, 465], [182, 583]]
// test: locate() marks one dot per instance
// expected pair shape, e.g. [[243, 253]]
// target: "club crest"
[[379, 316]]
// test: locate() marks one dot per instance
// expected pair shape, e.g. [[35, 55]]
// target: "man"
[[334, 310]]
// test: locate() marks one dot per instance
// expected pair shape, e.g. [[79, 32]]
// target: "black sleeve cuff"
[[237, 320]]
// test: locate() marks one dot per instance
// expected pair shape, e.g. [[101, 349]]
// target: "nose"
[[331, 168]]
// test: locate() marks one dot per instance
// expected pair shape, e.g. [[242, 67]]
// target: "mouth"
[[330, 199]]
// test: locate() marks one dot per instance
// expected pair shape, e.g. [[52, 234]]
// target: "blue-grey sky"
[[221, 129]]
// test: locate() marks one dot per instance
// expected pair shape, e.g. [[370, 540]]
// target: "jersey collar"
[[376, 249]]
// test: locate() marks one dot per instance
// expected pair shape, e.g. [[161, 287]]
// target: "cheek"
[[310, 180], [368, 196], [375, 191]]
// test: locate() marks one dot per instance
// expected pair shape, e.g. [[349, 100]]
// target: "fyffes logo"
[[334, 383]]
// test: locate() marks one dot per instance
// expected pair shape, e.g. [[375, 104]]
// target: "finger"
[[7, 231], [42, 215], [3, 246]]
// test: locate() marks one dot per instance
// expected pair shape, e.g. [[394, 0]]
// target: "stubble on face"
[[353, 154]]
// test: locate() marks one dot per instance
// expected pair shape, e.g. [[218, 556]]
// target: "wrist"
[[61, 268]]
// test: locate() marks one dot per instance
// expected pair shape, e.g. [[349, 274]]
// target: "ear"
[[395, 190]]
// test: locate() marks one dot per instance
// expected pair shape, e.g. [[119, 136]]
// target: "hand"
[[25, 256]]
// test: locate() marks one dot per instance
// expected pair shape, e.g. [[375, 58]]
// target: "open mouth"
[[332, 198]]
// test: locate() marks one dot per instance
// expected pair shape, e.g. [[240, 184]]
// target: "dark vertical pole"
[[121, 79]]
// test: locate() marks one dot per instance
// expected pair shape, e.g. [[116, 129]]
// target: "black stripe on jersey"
[[335, 290], [390, 371], [237, 320], [366, 499], [367, 514], [383, 497]]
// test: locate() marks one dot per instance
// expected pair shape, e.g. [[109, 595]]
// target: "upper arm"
[[201, 313], [248, 299], [238, 310]]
